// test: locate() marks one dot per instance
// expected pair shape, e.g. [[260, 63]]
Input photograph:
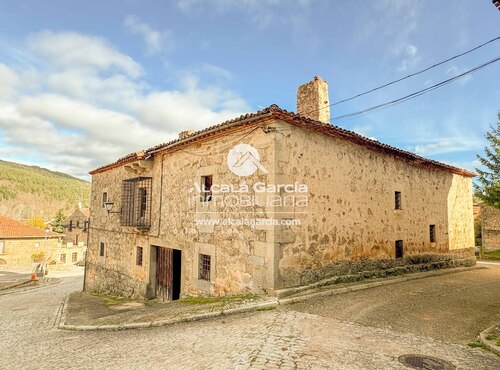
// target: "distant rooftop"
[[12, 229]]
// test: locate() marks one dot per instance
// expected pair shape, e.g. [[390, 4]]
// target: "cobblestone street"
[[284, 338]]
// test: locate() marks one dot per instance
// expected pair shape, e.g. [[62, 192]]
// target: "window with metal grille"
[[138, 256], [397, 200], [399, 249], [136, 202], [104, 198], [74, 257], [432, 233], [204, 267], [62, 258], [101, 250], [206, 188]]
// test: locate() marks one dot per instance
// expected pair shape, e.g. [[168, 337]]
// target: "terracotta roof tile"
[[298, 120], [10, 228]]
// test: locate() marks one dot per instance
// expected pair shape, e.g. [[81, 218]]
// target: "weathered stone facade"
[[348, 221], [18, 251], [490, 228]]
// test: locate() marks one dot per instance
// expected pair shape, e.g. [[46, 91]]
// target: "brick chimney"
[[312, 100]]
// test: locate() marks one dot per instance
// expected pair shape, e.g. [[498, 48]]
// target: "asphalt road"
[[286, 338]]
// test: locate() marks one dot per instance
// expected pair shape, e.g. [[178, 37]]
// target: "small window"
[[77, 224], [74, 257], [62, 258], [2, 247], [101, 250], [70, 226], [85, 225], [76, 240], [397, 200], [204, 267], [206, 188], [104, 198], [432, 233], [399, 249], [138, 256]]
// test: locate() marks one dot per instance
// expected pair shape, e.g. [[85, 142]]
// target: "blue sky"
[[83, 83]]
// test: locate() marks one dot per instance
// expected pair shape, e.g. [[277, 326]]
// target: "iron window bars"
[[136, 202]]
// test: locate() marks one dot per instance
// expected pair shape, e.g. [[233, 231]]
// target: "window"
[[77, 224], [397, 200], [204, 267], [74, 257], [104, 198], [432, 233], [136, 202], [101, 250], [143, 193], [70, 226], [62, 258], [2, 247], [138, 256], [85, 226], [76, 240], [206, 188], [399, 249]]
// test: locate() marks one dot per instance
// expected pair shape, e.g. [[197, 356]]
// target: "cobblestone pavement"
[[452, 308], [270, 339]]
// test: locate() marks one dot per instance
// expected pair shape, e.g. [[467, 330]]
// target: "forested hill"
[[28, 191]]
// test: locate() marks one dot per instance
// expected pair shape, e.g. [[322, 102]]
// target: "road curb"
[[493, 348], [261, 306], [28, 288]]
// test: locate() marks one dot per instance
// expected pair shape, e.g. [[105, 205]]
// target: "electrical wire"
[[410, 75], [415, 94]]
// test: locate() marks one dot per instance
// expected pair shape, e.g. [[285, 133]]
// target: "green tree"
[[488, 187], [37, 221], [58, 223]]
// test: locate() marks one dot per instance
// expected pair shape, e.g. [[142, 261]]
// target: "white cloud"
[[261, 12], [92, 107], [410, 58], [449, 145], [156, 41], [77, 51], [455, 71]]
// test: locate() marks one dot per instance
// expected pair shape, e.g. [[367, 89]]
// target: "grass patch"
[[111, 300], [491, 337], [478, 345], [225, 299], [495, 255], [498, 342]]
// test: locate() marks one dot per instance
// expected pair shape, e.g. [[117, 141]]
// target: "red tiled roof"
[[274, 111], [10, 228]]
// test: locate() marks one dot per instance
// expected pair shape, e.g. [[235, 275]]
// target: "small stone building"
[[73, 249], [19, 242], [271, 201], [490, 228]]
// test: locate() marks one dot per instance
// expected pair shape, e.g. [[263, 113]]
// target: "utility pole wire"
[[417, 93], [410, 75]]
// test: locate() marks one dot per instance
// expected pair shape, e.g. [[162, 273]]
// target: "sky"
[[83, 83]]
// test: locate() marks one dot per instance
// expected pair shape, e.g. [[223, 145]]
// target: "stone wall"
[[19, 251], [242, 256], [490, 229], [351, 214]]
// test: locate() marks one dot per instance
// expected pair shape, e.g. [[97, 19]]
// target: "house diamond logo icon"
[[244, 160]]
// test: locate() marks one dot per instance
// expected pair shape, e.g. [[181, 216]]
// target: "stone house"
[[19, 241], [271, 201], [490, 227], [75, 242]]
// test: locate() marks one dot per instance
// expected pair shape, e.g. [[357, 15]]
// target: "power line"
[[417, 93], [411, 74]]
